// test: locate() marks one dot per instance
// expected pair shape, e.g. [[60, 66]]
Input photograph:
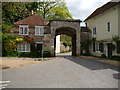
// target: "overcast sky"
[[81, 9]]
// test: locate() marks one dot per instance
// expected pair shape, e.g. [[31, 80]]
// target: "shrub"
[[103, 56], [46, 53], [65, 44], [87, 54], [116, 58], [13, 54], [33, 54]]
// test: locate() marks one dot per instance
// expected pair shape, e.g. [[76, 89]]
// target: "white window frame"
[[108, 30], [25, 46], [97, 47], [94, 31], [23, 26], [40, 32]]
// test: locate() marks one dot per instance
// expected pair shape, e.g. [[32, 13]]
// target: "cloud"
[[81, 9]]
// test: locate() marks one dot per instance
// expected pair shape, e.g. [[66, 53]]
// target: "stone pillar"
[[52, 41], [78, 42]]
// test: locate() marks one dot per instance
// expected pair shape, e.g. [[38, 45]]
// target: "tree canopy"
[[50, 10], [15, 11], [66, 39]]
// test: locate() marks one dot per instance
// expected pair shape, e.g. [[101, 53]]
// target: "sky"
[[81, 9]]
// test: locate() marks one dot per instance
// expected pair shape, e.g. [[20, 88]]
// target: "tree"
[[9, 43], [57, 9], [15, 11], [66, 39]]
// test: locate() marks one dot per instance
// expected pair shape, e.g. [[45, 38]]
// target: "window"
[[23, 47], [39, 30], [23, 30], [94, 30], [101, 46], [108, 26], [97, 46]]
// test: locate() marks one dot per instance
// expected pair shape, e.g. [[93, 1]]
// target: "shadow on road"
[[93, 65]]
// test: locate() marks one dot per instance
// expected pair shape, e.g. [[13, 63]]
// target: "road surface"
[[60, 72]]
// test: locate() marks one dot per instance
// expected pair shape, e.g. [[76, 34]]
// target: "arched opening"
[[67, 31], [63, 45]]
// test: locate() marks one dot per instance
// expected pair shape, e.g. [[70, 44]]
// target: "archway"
[[67, 27], [66, 31]]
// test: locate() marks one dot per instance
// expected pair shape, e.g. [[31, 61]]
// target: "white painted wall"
[[57, 44], [100, 22]]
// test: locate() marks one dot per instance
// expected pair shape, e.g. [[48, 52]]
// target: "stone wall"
[[68, 27]]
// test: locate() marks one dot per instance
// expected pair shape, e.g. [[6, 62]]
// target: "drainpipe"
[[42, 51]]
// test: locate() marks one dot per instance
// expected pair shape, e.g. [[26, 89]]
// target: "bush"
[[116, 58], [65, 44], [103, 56], [33, 54], [47, 53], [87, 54]]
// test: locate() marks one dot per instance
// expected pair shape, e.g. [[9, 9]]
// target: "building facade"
[[105, 25], [34, 30], [86, 35]]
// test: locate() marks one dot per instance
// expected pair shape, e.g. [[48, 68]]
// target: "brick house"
[[32, 29]]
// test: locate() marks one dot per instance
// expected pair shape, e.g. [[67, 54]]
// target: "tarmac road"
[[60, 72]]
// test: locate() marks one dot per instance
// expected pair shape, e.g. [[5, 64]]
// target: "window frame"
[[94, 31], [40, 32], [23, 31], [25, 46], [97, 47], [108, 26]]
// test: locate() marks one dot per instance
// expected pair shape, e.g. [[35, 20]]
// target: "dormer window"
[[23, 30], [39, 30]]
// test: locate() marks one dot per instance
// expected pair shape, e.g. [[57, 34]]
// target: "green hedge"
[[33, 54]]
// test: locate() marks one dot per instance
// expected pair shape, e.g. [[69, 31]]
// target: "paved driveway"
[[62, 72]]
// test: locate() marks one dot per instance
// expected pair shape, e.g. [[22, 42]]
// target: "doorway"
[[109, 50], [39, 49]]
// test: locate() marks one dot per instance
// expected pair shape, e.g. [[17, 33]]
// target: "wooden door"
[[39, 49]]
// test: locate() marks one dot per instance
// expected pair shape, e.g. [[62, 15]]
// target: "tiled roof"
[[35, 19], [102, 9]]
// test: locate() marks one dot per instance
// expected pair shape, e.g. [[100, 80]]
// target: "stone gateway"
[[66, 27]]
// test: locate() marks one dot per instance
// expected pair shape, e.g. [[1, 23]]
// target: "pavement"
[[13, 58], [64, 54], [63, 72]]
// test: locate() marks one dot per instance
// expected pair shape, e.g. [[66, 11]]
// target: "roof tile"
[[35, 19]]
